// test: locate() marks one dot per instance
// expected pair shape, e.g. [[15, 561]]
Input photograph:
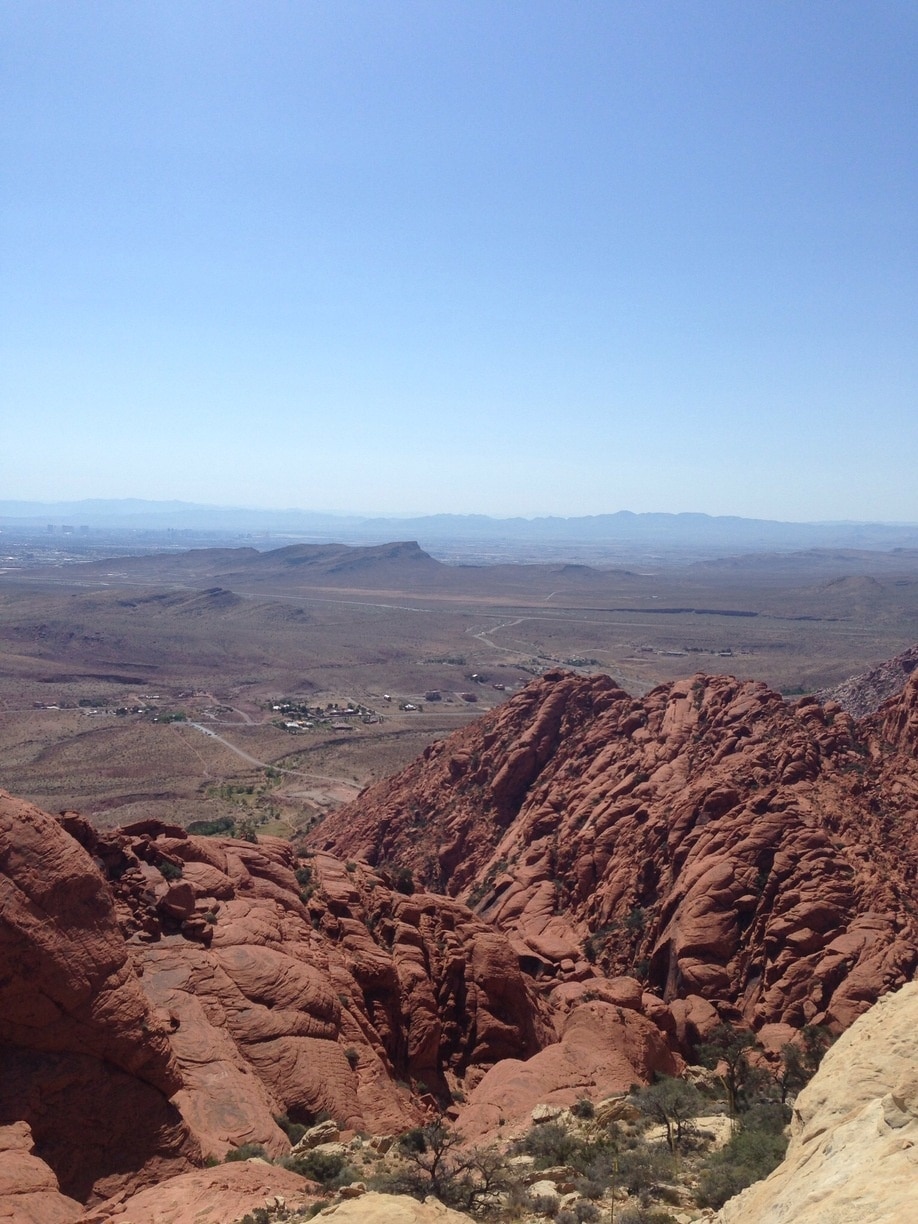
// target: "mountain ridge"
[[708, 838], [648, 528]]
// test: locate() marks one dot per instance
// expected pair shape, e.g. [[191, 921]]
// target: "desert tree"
[[727, 1052], [437, 1163], [672, 1103]]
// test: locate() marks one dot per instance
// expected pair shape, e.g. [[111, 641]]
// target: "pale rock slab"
[[853, 1154]]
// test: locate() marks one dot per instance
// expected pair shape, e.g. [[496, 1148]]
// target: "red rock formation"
[[164, 996], [212, 1196], [29, 1192], [724, 846], [603, 1049], [83, 1052]]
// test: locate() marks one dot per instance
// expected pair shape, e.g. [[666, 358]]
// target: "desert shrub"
[[473, 1180], [211, 828], [169, 871], [583, 1109], [324, 1167], [293, 1130], [644, 1169], [246, 1152], [639, 1214], [672, 1103], [403, 880], [597, 1169], [580, 1213], [550, 1143], [755, 1150], [544, 1205]]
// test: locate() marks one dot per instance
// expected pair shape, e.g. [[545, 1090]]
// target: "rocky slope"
[[853, 1154], [742, 856], [865, 693], [166, 997]]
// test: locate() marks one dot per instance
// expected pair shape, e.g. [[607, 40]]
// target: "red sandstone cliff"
[[710, 838]]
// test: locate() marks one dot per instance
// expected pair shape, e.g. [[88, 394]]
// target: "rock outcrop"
[[83, 1050], [392, 1209], [729, 849], [637, 871], [865, 693], [29, 1191], [166, 998], [603, 1049], [212, 1196], [853, 1153]]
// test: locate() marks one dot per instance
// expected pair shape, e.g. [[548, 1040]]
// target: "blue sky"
[[494, 256]]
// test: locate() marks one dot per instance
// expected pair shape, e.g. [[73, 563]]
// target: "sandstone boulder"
[[212, 1196], [853, 1154], [29, 1191], [602, 1050], [376, 1208]]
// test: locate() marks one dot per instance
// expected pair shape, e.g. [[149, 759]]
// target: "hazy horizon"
[[526, 259], [103, 506]]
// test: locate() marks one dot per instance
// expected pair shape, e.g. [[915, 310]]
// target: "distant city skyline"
[[405, 258]]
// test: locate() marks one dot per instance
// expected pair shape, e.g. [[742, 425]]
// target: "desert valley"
[[568, 875]]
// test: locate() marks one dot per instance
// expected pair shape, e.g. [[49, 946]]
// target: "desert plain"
[[230, 683]]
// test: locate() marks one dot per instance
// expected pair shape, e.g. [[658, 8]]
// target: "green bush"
[[551, 1143], [293, 1130], [246, 1152], [755, 1150], [592, 1159], [324, 1167], [211, 828], [404, 881], [644, 1169]]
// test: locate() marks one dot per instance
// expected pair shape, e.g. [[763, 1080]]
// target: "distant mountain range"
[[667, 533]]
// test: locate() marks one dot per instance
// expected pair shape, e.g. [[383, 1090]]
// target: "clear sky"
[[494, 256]]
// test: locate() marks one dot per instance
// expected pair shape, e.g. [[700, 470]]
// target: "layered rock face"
[[29, 1191], [83, 1051], [853, 1154], [164, 997], [744, 857]]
